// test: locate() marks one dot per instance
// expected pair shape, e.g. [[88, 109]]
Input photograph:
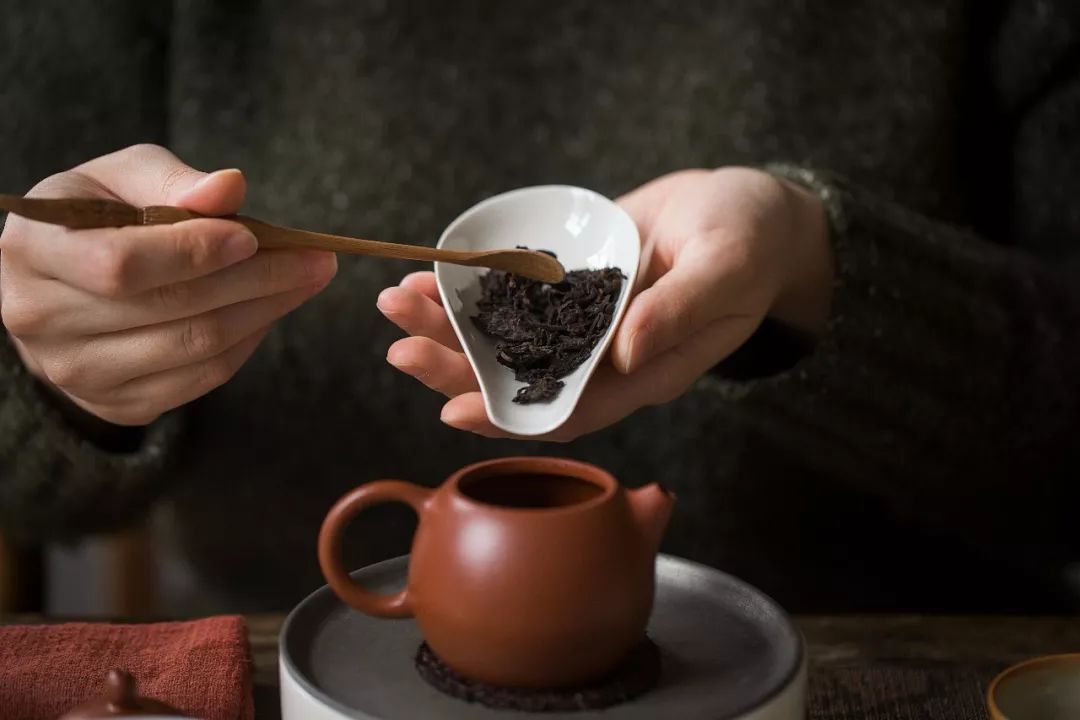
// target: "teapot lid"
[[120, 699]]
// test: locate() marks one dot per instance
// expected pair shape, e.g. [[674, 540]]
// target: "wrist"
[[804, 299]]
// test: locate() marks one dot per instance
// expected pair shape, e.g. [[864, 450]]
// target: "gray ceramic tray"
[[728, 652]]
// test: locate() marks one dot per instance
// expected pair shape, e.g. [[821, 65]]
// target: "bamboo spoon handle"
[[274, 236], [92, 213], [82, 213]]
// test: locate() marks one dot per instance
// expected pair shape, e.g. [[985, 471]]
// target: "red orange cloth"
[[201, 667]]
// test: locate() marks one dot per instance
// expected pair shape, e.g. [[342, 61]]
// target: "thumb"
[[151, 175], [683, 301], [218, 193]]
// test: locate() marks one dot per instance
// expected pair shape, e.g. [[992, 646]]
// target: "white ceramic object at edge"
[[586, 231], [298, 703]]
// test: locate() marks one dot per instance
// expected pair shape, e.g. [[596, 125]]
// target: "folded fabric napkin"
[[201, 667]]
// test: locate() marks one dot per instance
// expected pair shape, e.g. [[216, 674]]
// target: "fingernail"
[[628, 363], [391, 356], [240, 246], [383, 301], [200, 182], [206, 178]]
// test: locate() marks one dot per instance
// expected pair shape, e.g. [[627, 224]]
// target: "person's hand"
[[129, 323], [720, 250]]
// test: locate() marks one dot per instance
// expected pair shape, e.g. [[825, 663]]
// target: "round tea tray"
[[728, 653]]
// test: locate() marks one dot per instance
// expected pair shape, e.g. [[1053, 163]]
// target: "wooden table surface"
[[861, 668]]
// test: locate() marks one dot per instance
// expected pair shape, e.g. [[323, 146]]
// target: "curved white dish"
[[586, 231], [728, 653]]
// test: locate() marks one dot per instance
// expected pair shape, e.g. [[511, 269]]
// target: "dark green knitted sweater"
[[922, 456]]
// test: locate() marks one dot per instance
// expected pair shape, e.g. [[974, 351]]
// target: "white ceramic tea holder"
[[586, 231]]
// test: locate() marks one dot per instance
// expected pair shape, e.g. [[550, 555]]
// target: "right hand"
[[131, 322]]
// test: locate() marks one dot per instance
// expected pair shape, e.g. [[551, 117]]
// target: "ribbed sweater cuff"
[[944, 381], [54, 483]]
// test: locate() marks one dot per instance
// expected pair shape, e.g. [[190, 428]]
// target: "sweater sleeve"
[[946, 382], [55, 482], [61, 99]]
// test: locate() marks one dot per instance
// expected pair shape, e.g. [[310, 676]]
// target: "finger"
[[609, 397], [417, 315], [612, 396], [107, 361], [120, 262], [663, 379], [435, 365], [151, 175], [141, 401], [222, 192], [466, 412], [645, 202], [74, 312], [667, 376], [423, 283], [683, 301]]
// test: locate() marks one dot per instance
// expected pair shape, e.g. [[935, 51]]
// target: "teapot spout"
[[651, 506]]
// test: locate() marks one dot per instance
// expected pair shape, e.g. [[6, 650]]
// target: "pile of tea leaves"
[[545, 331]]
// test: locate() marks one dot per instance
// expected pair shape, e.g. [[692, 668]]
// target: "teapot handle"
[[373, 493]]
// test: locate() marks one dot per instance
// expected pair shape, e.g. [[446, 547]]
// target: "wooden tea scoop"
[[81, 213]]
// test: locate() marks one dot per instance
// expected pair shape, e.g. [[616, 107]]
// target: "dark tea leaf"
[[546, 331]]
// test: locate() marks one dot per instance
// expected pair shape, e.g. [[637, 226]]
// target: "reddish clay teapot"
[[524, 572]]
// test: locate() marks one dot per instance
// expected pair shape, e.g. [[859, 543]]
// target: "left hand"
[[721, 249]]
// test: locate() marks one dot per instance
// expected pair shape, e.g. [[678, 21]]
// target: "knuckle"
[[62, 372], [21, 316], [142, 413], [738, 253], [173, 177], [196, 248], [645, 319], [13, 238], [683, 314], [143, 150], [201, 337], [215, 372], [174, 297], [109, 270], [61, 184]]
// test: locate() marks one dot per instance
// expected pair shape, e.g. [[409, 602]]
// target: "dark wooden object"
[[22, 577], [861, 668], [81, 213]]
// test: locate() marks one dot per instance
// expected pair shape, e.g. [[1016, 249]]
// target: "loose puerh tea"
[[546, 331]]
